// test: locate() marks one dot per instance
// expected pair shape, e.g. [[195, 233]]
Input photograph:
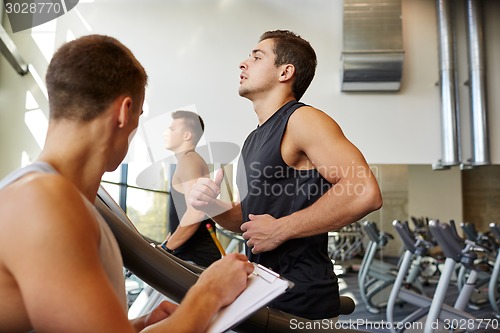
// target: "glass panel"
[[113, 190], [148, 211], [113, 177]]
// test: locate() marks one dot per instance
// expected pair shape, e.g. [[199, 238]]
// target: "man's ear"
[[124, 110], [287, 72], [187, 135]]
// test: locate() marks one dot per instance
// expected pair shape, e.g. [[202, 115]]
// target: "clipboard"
[[263, 286]]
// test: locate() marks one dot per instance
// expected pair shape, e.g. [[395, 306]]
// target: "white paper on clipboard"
[[263, 286]]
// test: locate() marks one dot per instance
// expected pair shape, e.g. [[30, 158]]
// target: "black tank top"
[[272, 187], [200, 248]]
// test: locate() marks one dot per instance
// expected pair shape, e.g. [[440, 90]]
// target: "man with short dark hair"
[[190, 239], [60, 265], [300, 177]]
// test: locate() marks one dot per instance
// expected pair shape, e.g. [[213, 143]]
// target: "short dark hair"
[[193, 122], [290, 48], [85, 75]]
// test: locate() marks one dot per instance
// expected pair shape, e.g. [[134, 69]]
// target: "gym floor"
[[362, 319]]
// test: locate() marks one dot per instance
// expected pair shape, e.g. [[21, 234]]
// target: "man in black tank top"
[[190, 239], [299, 177]]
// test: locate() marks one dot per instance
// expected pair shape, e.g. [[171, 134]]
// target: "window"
[[146, 208]]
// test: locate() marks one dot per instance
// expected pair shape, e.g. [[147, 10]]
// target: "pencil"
[[216, 241]]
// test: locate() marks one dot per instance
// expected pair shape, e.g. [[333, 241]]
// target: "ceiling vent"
[[372, 58]]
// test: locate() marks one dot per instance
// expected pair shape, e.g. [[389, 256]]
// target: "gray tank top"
[[109, 251]]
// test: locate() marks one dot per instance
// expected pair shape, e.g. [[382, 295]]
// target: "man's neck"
[[267, 107], [85, 179], [183, 150], [80, 159]]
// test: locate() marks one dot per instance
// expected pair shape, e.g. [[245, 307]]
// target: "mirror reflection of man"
[[189, 239]]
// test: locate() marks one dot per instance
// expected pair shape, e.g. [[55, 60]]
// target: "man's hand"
[[162, 311], [226, 278], [262, 233], [205, 191]]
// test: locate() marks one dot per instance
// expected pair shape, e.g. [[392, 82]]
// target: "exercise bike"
[[375, 277], [432, 313]]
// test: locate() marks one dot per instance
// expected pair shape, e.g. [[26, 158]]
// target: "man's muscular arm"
[[314, 140]]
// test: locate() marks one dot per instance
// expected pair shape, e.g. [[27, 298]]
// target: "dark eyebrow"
[[258, 51]]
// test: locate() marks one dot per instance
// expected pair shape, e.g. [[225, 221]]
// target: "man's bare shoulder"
[[49, 233], [192, 158], [309, 122], [36, 189], [40, 204], [192, 166]]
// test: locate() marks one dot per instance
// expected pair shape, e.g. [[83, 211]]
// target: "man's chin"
[[243, 92]]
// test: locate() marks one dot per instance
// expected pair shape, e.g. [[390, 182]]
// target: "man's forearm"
[[331, 212], [228, 215], [181, 235], [193, 314]]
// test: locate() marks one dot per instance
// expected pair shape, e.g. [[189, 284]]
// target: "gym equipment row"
[[375, 277], [346, 243], [472, 263], [433, 310]]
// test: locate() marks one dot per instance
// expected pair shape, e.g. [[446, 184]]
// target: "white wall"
[[435, 194], [191, 50]]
